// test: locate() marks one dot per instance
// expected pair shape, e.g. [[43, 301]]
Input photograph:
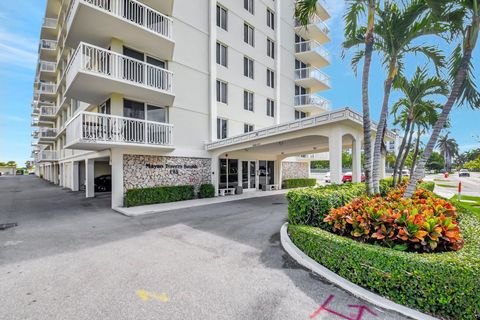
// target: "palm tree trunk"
[[415, 153], [460, 77], [405, 154], [400, 151], [367, 133], [381, 126]]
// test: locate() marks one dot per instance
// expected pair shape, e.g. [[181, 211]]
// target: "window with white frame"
[[222, 91], [270, 78], [222, 128], [248, 67], [270, 19], [270, 48], [222, 17], [300, 115], [270, 108], [222, 54], [248, 5], [247, 128], [248, 34], [248, 100]]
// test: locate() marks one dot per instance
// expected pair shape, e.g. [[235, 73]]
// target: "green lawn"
[[445, 185], [473, 207]]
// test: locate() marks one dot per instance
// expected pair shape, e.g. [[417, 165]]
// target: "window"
[[270, 108], [222, 16], [248, 5], [248, 34], [133, 109], [221, 128], [270, 78], [105, 107], [248, 100], [247, 128], [157, 114], [300, 115], [248, 67], [271, 48], [222, 91], [270, 19], [222, 54]]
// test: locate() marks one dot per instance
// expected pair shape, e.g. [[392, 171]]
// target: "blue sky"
[[19, 34]]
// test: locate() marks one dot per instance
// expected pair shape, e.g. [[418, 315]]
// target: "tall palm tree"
[[449, 149], [413, 106], [304, 11], [395, 33], [355, 36]]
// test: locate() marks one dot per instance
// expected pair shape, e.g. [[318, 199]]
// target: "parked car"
[[348, 177], [103, 183], [31, 173], [463, 173], [327, 178]]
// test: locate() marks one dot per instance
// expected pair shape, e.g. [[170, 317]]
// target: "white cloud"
[[17, 50]]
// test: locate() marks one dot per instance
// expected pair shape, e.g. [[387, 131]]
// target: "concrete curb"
[[354, 289]]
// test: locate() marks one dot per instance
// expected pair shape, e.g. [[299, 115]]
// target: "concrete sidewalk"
[[164, 207]]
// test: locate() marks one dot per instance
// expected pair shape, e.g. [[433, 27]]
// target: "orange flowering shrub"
[[422, 223]]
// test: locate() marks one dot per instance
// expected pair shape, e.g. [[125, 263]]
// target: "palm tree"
[[449, 149], [463, 17], [413, 106], [395, 32], [355, 36], [304, 11]]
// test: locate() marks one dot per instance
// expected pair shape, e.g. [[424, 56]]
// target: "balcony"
[[35, 121], [94, 73], [312, 53], [47, 135], [47, 50], [47, 155], [98, 21], [35, 111], [46, 71], [312, 78], [315, 30], [49, 28], [44, 91], [97, 131], [311, 103], [47, 113], [322, 13]]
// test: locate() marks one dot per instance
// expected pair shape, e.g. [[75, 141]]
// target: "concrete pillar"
[[215, 172], [89, 178], [335, 152], [116, 45], [74, 175], [356, 160], [116, 104], [383, 160], [116, 161], [278, 177]]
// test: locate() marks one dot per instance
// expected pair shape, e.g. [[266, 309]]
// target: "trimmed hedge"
[[446, 285], [206, 191], [310, 205], [143, 196], [298, 183]]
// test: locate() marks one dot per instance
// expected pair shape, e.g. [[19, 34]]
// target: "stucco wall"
[[143, 171], [295, 170]]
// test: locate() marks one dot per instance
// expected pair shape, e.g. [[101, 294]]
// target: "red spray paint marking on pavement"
[[361, 310]]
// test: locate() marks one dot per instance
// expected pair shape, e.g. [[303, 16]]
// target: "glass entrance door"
[[249, 170]]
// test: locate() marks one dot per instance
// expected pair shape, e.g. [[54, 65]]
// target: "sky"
[[19, 36]]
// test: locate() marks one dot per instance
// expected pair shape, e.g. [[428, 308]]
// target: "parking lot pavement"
[[74, 258], [449, 186]]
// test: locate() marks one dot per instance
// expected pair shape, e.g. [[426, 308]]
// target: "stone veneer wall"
[[143, 171], [295, 170]]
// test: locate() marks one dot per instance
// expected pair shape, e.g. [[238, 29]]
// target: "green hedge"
[[298, 183], [310, 205], [143, 196], [428, 185], [206, 191], [446, 285]]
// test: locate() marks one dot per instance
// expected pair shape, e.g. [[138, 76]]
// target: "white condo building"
[[176, 92]]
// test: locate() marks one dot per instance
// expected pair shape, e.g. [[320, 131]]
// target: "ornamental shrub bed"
[[206, 191], [143, 196], [446, 285], [299, 183]]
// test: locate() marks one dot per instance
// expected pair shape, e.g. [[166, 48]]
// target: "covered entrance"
[[246, 175]]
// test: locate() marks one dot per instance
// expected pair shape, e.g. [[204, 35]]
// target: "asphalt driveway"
[[74, 258]]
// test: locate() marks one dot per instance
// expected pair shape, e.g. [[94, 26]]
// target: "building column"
[[116, 161], [215, 171], [74, 175], [61, 180], [89, 178], [335, 153], [356, 160], [278, 177]]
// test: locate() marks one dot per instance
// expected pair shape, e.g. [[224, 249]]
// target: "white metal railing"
[[50, 23], [316, 20], [47, 132], [45, 88], [46, 44], [311, 99], [130, 10], [312, 45], [47, 66], [48, 155], [35, 121], [120, 67], [36, 110], [311, 72], [99, 127], [48, 111]]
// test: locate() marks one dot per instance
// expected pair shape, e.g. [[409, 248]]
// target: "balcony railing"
[[311, 99], [45, 88], [132, 11], [47, 132], [104, 128], [48, 155], [50, 23], [47, 66], [310, 72], [46, 44], [316, 20], [35, 121], [312, 45], [110, 64], [48, 111]]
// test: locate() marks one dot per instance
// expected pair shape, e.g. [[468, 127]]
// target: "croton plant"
[[423, 223]]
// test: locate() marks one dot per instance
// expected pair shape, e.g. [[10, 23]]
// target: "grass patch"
[[442, 180], [445, 185]]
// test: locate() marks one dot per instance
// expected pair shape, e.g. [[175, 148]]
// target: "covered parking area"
[[254, 159]]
